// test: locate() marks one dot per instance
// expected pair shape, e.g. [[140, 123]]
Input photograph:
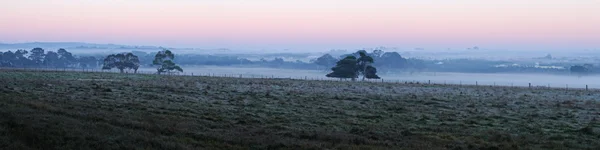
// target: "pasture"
[[86, 110]]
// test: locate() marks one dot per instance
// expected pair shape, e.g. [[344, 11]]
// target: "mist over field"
[[499, 79]]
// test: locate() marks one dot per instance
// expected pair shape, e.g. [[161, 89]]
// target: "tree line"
[[163, 61], [40, 58]]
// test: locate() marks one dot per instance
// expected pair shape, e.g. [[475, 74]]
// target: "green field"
[[71, 110]]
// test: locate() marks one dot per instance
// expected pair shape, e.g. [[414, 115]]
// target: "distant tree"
[[37, 56], [65, 58], [20, 59], [8, 59], [579, 70], [351, 67], [88, 62], [391, 60], [121, 61], [326, 61], [8, 55], [377, 53], [364, 62], [164, 62], [549, 56], [278, 61], [345, 68], [51, 60], [2, 62]]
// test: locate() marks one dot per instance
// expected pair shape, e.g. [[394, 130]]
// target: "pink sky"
[[307, 24]]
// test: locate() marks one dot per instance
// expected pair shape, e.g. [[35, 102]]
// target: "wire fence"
[[313, 78]]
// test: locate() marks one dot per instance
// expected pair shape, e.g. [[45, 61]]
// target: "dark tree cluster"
[[386, 61], [121, 61], [40, 58], [353, 67], [164, 62], [581, 70]]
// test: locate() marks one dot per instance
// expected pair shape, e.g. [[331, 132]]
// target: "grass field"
[[76, 110]]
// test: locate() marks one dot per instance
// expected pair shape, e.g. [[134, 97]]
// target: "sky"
[[308, 24]]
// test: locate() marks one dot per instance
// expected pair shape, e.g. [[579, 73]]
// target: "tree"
[[377, 53], [579, 70], [121, 61], [51, 59], [391, 60], [364, 62], [20, 59], [351, 67], [345, 68], [2, 62], [8, 59], [37, 56], [88, 62], [65, 58], [326, 61], [164, 62]]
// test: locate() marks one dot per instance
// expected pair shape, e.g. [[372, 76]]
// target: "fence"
[[258, 76]]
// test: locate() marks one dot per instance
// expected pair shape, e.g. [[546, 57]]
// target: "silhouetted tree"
[[88, 62], [351, 67], [364, 62], [391, 60], [21, 60], [8, 59], [37, 56], [579, 70], [121, 61], [51, 59], [3, 63], [65, 58], [345, 68], [164, 62], [326, 61], [377, 53]]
